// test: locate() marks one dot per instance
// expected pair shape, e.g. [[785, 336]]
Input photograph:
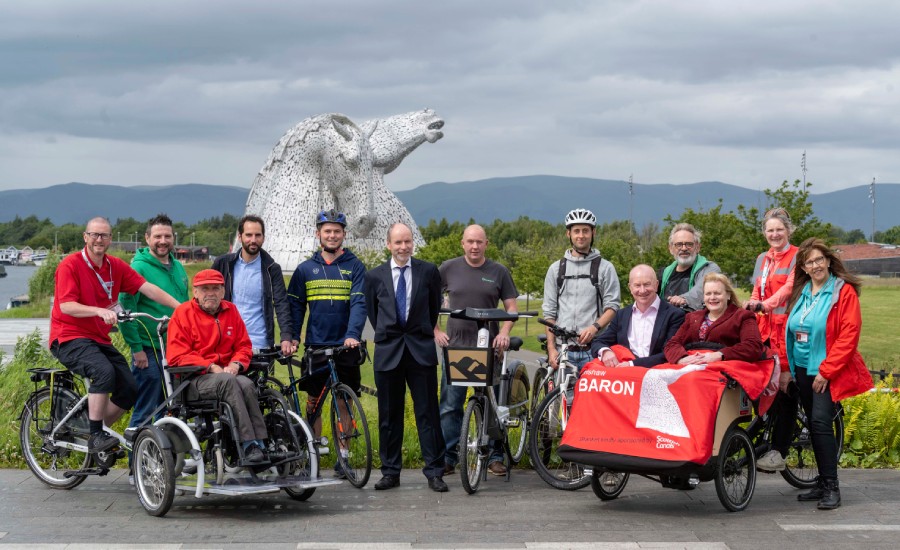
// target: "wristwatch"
[[596, 326]]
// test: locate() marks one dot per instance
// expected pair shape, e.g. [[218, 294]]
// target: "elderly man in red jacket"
[[208, 331]]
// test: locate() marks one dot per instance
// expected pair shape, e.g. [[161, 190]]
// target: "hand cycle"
[[349, 428], [551, 403], [497, 414]]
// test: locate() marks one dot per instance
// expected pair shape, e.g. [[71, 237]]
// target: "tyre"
[[546, 434], [735, 470], [154, 472], [295, 438], [47, 462], [608, 485], [539, 389], [801, 469], [351, 436], [471, 457], [519, 389]]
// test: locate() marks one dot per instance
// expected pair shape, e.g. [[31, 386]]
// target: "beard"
[[686, 262], [251, 249]]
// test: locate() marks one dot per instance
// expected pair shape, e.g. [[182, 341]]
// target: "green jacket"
[[141, 334]]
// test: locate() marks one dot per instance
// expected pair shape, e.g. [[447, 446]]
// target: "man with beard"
[[157, 264], [255, 285], [581, 291], [85, 308], [682, 280], [644, 328], [331, 285], [208, 332]]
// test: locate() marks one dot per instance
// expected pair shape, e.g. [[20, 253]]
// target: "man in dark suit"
[[644, 328], [403, 297]]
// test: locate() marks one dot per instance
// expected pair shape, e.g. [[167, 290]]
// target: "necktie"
[[401, 296]]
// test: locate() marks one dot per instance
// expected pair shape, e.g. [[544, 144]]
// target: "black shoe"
[[100, 442], [831, 498], [449, 470], [388, 482], [254, 455], [816, 493], [437, 485]]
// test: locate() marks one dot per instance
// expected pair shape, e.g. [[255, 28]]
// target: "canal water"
[[15, 283]]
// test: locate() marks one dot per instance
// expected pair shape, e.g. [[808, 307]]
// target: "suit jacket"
[[418, 335], [668, 320], [736, 329]]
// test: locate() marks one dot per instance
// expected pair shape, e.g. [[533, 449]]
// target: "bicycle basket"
[[469, 366]]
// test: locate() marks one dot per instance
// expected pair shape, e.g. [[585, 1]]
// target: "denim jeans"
[[820, 411], [453, 401], [579, 358], [149, 388]]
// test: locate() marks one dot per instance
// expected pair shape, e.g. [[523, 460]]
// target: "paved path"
[[12, 329], [524, 513]]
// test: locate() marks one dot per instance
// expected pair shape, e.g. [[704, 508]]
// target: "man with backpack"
[[581, 290]]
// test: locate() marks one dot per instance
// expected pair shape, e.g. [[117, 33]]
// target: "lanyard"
[[808, 309], [106, 286], [762, 280]]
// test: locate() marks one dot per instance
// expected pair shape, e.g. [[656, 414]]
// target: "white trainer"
[[770, 462]]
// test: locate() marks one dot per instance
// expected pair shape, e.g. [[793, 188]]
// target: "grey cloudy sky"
[[163, 92]]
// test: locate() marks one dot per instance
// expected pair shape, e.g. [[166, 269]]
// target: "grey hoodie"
[[576, 307]]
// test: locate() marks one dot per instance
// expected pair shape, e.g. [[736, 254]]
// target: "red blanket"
[[664, 413]]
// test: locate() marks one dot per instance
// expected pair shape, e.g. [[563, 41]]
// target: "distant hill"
[[538, 197]]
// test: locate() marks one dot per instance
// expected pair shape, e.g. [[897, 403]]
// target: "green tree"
[[891, 236], [795, 199]]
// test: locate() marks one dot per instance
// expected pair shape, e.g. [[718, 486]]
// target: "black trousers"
[[423, 386]]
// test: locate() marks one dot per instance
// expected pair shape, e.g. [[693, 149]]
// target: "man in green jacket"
[[681, 282], [157, 264]]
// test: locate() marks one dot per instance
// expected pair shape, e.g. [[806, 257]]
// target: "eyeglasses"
[[98, 236], [687, 245], [809, 264]]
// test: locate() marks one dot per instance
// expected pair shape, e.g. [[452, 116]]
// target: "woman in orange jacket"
[[823, 328]]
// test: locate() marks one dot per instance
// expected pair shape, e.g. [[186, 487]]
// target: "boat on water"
[[18, 301]]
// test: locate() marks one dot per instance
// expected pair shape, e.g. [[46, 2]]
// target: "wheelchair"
[[194, 446]]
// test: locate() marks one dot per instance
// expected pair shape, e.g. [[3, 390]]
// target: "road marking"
[[844, 527]]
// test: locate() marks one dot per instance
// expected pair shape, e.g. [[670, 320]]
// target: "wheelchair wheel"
[[351, 436], [608, 485], [546, 435], [154, 473], [295, 439], [801, 469], [735, 470], [47, 462], [518, 403], [471, 457]]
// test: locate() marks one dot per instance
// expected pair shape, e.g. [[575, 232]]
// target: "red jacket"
[[779, 283], [843, 366], [197, 338], [736, 329]]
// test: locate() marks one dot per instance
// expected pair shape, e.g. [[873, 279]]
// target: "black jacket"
[[274, 294]]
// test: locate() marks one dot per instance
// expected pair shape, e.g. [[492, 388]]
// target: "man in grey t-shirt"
[[471, 280]]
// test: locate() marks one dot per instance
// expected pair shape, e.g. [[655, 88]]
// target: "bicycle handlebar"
[[335, 349], [559, 332], [127, 316], [486, 314]]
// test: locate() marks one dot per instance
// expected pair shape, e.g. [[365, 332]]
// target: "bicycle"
[[498, 409], [349, 427]]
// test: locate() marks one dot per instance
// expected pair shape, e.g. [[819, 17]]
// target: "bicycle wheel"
[[46, 461], [518, 410], [351, 436], [801, 469], [154, 473], [539, 387], [471, 457], [546, 433], [735, 470], [294, 439], [608, 485]]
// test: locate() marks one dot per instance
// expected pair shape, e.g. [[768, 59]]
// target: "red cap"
[[208, 277]]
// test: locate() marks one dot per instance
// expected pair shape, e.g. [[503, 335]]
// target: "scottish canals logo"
[[665, 443]]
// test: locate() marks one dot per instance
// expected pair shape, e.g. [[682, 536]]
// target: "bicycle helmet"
[[580, 216], [331, 216]]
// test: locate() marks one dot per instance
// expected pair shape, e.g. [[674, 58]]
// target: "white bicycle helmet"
[[580, 215]]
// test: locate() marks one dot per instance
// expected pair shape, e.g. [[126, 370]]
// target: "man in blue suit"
[[403, 298], [644, 328]]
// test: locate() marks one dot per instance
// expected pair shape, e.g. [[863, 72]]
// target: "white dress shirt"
[[640, 331], [395, 276]]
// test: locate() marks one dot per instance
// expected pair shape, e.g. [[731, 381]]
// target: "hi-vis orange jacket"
[[778, 268]]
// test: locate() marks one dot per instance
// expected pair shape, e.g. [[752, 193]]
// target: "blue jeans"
[[453, 401], [579, 358], [149, 386]]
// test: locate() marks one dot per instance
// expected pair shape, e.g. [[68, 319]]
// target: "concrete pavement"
[[524, 513]]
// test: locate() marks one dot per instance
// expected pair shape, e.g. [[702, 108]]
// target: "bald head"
[[474, 243], [400, 243], [643, 284]]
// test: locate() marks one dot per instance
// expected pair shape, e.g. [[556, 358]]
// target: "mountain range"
[[538, 197]]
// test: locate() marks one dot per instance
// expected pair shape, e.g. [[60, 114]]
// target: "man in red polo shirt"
[[85, 305]]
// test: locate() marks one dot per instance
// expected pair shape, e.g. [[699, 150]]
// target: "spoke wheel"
[[46, 461], [154, 473], [546, 435], [351, 436], [608, 485], [801, 468], [471, 457], [735, 470], [295, 438], [519, 388]]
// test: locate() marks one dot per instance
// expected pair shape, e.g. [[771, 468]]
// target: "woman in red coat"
[[823, 330], [721, 321]]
